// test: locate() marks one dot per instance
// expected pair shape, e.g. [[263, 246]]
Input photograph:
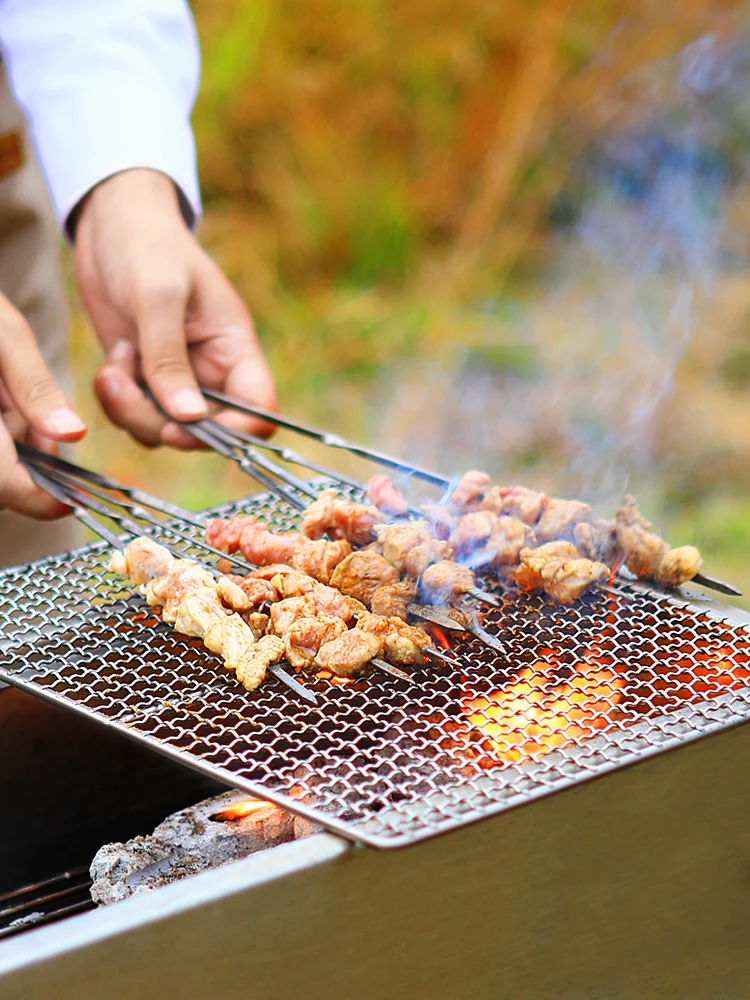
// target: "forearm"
[[107, 86]]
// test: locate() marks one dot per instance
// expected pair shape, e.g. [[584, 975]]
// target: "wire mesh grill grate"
[[584, 689]]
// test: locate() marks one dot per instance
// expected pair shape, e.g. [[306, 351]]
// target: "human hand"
[[32, 408], [164, 312]]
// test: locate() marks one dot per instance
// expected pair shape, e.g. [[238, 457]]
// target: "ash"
[[188, 842]]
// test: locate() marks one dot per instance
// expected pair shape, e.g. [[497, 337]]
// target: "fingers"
[[29, 382], [161, 318], [18, 492], [122, 399]]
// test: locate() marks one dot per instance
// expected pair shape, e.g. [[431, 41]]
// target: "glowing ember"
[[534, 714], [243, 809]]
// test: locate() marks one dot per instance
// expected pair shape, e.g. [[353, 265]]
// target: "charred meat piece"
[[143, 560], [349, 653], [559, 520], [336, 517], [305, 636], [361, 573], [649, 556], [198, 611], [445, 580], [467, 495], [557, 569], [402, 644], [319, 558], [516, 501], [392, 599], [439, 519], [385, 496]]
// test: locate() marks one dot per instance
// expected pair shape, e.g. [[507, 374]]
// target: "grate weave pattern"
[[584, 689]]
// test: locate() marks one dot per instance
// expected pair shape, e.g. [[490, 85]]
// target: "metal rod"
[[291, 456], [223, 434], [79, 512], [436, 617], [440, 655], [714, 584], [332, 440], [247, 466], [107, 483], [483, 595], [388, 668], [286, 678]]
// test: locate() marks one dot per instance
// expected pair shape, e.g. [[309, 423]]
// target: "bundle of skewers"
[[359, 585]]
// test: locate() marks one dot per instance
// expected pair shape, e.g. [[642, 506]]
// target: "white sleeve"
[[107, 85]]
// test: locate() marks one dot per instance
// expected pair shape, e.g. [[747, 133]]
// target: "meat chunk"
[[143, 560], [262, 547], [229, 590], [349, 653], [256, 659], [305, 636], [410, 547], [198, 611], [509, 536], [336, 517], [439, 519], [472, 531], [643, 548], [468, 493], [319, 558], [559, 520], [293, 583], [185, 576], [678, 566], [289, 610], [258, 591], [445, 580], [557, 569], [257, 621], [385, 496], [516, 501], [402, 644], [361, 573], [224, 532], [392, 599]]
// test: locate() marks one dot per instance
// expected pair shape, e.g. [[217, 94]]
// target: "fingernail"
[[121, 351], [65, 421], [188, 403]]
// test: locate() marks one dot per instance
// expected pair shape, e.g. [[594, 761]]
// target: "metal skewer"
[[78, 503], [332, 440], [711, 582], [388, 668], [451, 625]]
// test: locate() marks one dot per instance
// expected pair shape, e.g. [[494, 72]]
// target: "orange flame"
[[533, 716], [240, 810]]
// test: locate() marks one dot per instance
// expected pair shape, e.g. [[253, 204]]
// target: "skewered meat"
[[233, 639], [283, 613], [392, 599], [649, 556], [472, 531], [385, 496], [598, 541], [468, 493], [224, 532], [258, 591], [557, 569], [508, 538], [349, 653], [142, 560], [410, 547], [261, 546], [516, 501], [198, 611], [402, 644], [184, 577], [444, 580], [439, 519], [338, 518], [305, 636], [229, 589], [361, 573], [327, 600], [319, 558], [292, 584], [559, 519], [257, 621]]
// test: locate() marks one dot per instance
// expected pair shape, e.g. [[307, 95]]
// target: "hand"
[[164, 313], [32, 407]]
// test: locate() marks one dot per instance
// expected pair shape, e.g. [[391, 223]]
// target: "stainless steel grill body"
[[583, 690]]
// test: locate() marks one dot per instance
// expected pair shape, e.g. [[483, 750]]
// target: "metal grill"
[[584, 689]]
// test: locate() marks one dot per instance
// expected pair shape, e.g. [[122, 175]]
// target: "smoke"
[[568, 390]]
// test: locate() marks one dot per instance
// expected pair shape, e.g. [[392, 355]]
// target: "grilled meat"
[[143, 560], [198, 611], [319, 558], [349, 653], [597, 540], [338, 518], [402, 644], [516, 501], [445, 580], [559, 519], [468, 494], [385, 496], [392, 599], [361, 573], [305, 636], [649, 556], [557, 569]]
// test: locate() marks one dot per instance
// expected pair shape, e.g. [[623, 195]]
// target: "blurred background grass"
[[404, 194]]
